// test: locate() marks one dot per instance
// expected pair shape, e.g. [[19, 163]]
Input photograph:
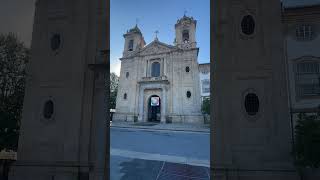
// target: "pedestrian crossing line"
[[159, 157]]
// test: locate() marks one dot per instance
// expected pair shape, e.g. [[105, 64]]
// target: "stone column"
[[99, 132], [163, 105], [164, 67], [162, 62], [100, 129], [148, 72], [147, 68], [140, 118]]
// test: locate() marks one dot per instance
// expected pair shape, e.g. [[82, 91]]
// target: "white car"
[[111, 113]]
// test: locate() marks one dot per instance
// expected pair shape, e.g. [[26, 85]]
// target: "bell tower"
[[133, 41], [251, 136], [186, 32], [63, 126]]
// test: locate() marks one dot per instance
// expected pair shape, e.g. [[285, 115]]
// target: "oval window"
[[247, 25], [55, 42], [48, 109], [188, 94], [251, 104]]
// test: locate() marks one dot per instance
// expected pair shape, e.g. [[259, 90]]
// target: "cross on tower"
[[137, 21], [185, 12], [156, 32]]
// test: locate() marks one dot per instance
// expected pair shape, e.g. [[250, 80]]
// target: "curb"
[[141, 127]]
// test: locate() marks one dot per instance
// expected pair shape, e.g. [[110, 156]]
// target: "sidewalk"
[[162, 126], [133, 168]]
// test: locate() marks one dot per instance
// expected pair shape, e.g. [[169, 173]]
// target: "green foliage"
[[206, 106], [13, 58], [114, 81], [307, 141]]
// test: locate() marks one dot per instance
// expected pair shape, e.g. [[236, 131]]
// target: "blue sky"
[[158, 15], [154, 15]]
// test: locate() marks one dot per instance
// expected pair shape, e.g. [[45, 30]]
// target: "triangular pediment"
[[156, 47]]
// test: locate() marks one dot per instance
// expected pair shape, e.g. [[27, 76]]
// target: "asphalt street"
[[152, 154]]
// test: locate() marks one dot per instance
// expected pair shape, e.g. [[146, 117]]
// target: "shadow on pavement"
[[138, 169]]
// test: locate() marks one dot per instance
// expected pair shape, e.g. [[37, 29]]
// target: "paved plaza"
[[138, 153]]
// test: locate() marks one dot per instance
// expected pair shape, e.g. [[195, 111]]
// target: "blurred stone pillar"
[[99, 119], [163, 105], [140, 119]]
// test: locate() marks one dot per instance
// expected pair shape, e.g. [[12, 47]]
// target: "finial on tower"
[[184, 13], [137, 21]]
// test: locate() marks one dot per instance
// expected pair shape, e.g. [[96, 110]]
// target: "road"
[[153, 154]]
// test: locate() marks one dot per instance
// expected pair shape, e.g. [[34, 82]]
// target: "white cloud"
[[115, 67]]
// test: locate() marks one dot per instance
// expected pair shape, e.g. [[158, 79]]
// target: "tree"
[[13, 58], [307, 141], [114, 81], [206, 106]]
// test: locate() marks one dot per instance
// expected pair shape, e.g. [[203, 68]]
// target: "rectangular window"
[[155, 69], [205, 86], [309, 90], [304, 32], [307, 68], [307, 79]]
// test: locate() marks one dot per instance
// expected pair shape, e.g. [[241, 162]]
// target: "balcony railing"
[[159, 78]]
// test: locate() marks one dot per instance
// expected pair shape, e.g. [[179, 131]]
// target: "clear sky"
[[158, 15]]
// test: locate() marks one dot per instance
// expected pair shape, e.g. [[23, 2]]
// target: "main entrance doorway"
[[154, 110]]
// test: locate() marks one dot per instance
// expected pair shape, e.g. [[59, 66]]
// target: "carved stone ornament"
[[155, 49]]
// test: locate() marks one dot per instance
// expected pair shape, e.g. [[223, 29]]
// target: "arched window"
[[125, 96], [155, 69], [130, 47], [185, 36], [247, 25], [127, 74]]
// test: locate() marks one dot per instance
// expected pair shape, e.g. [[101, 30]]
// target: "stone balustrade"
[[148, 79]]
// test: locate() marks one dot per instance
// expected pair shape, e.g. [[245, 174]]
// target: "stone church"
[[160, 82]]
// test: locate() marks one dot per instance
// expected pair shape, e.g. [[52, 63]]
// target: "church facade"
[[160, 82]]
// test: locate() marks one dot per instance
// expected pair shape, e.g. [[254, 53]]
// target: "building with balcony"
[[204, 75], [302, 40], [160, 82]]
